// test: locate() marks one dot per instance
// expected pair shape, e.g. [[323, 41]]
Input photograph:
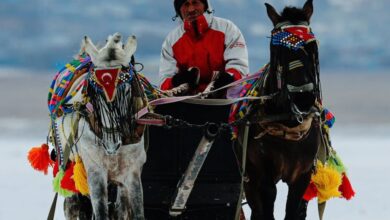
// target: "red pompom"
[[311, 192], [55, 169], [346, 188], [67, 181], [39, 158]]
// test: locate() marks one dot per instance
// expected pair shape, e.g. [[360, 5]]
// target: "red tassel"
[[346, 188], [39, 158], [67, 181], [55, 169], [311, 192]]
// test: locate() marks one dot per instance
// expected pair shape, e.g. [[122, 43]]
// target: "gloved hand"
[[190, 76], [223, 79]]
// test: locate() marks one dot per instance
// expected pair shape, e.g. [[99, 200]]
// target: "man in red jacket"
[[202, 49]]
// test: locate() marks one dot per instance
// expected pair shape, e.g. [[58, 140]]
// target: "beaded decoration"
[[292, 37]]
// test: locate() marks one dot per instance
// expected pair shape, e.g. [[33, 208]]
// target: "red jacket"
[[217, 46]]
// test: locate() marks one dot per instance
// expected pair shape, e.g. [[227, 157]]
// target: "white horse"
[[109, 141]]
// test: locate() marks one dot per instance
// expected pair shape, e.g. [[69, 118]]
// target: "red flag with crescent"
[[108, 80]]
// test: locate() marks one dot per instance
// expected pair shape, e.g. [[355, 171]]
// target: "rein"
[[198, 99], [118, 111]]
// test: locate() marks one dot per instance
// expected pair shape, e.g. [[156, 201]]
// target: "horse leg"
[[260, 194], [77, 207], [97, 183], [71, 208], [296, 206], [136, 195], [113, 204]]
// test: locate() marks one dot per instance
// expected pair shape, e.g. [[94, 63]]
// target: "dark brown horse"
[[283, 144]]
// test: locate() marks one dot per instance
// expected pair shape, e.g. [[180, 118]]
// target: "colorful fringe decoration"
[[62, 80], [311, 192], [67, 181], [80, 177], [151, 91], [55, 169], [57, 185], [329, 118], [327, 182], [39, 158], [249, 88], [346, 188]]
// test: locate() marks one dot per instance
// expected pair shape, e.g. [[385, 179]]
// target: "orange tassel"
[[67, 181], [346, 188], [311, 192], [39, 158]]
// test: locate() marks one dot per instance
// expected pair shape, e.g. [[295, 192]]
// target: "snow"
[[27, 194]]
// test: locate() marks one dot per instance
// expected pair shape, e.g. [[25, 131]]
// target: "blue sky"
[[44, 34]]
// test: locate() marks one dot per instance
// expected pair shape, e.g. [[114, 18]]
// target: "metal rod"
[[187, 182]]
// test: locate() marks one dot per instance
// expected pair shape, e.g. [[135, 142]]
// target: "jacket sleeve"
[[236, 53], [167, 66]]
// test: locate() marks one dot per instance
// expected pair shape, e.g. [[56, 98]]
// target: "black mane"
[[294, 15]]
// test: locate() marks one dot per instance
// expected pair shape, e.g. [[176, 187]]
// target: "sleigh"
[[217, 189]]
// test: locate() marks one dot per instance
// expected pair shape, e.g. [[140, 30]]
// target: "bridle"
[[294, 37], [112, 94], [286, 36]]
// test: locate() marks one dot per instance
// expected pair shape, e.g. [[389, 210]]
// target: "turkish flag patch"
[[108, 80]]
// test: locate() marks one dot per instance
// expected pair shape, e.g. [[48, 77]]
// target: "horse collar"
[[297, 133]]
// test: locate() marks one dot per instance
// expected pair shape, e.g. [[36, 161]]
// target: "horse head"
[[113, 54], [293, 71], [113, 90]]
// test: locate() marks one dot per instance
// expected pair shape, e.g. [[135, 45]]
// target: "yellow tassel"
[[80, 177], [327, 181]]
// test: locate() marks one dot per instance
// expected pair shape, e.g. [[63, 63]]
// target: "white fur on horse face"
[[101, 58]]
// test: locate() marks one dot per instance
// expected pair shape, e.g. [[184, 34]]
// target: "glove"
[[223, 79], [190, 76]]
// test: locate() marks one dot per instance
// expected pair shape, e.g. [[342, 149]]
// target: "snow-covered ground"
[[27, 194]]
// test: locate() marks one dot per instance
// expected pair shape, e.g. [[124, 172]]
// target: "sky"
[[42, 35]]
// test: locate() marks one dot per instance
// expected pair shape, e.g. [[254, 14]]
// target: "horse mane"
[[293, 15]]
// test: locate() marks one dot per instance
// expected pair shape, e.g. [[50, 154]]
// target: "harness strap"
[[69, 144], [195, 98], [243, 167], [152, 119]]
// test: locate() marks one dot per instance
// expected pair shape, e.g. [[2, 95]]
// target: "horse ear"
[[89, 47], [272, 14], [308, 9], [130, 47]]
